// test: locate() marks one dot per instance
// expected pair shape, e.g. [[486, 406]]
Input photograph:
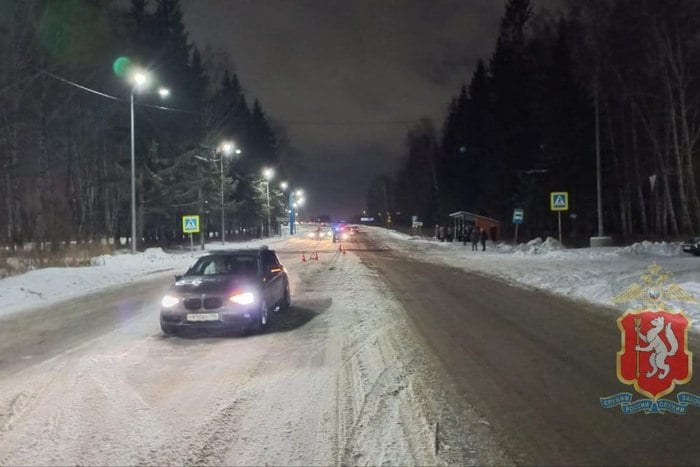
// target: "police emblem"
[[654, 355]]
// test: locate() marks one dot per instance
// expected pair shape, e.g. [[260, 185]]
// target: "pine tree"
[[516, 147]]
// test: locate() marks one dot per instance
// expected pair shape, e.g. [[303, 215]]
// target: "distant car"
[[227, 289], [320, 234], [692, 246]]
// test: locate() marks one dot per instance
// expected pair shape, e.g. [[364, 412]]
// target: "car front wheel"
[[168, 329], [263, 317]]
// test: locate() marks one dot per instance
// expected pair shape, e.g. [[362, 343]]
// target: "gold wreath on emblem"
[[652, 291]]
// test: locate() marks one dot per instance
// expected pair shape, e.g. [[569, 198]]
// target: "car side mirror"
[[178, 278]]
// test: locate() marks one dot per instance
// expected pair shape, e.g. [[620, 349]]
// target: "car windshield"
[[225, 265]]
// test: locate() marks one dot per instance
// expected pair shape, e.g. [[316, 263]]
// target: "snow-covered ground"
[[43, 287], [338, 380], [592, 274], [342, 379]]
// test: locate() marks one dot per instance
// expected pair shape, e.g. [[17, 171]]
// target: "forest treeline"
[[618, 74], [65, 151]]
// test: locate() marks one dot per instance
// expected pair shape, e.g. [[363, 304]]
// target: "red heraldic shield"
[[654, 355]]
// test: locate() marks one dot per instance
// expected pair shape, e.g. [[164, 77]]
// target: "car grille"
[[193, 303], [212, 302]]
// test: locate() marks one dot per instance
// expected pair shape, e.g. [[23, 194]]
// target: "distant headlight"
[[345, 236], [169, 301], [244, 298], [312, 235]]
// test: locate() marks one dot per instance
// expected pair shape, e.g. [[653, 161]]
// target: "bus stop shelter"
[[462, 220]]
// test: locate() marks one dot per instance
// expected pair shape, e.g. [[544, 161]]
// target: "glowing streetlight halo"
[[227, 147], [140, 79]]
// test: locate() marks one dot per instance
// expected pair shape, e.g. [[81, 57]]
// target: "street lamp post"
[[283, 187], [223, 224], [133, 178], [225, 148], [292, 217], [291, 205], [268, 174], [299, 203], [140, 80]]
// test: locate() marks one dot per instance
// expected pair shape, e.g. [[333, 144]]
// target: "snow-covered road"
[[339, 379], [348, 376]]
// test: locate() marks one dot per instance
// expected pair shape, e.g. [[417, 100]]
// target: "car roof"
[[239, 251]]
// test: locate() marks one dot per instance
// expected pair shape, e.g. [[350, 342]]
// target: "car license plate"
[[203, 317]]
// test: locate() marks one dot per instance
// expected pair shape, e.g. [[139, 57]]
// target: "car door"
[[274, 282]]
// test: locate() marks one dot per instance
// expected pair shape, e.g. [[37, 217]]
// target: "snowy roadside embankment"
[[592, 274], [43, 287]]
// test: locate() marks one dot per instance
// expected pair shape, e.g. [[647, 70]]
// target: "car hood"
[[211, 284]]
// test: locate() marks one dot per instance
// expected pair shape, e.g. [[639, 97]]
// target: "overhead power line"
[[118, 99], [288, 123], [353, 123]]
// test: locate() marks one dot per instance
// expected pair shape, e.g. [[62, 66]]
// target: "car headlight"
[[169, 301], [243, 298]]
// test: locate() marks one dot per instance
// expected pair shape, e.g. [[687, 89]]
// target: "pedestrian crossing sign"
[[190, 224], [559, 201]]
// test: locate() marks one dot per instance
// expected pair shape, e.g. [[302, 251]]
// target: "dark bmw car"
[[227, 289], [692, 246]]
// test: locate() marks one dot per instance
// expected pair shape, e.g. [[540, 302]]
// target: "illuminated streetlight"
[[268, 173], [226, 148], [140, 81], [292, 204]]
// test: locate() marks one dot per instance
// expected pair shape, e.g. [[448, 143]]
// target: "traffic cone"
[[303, 258]]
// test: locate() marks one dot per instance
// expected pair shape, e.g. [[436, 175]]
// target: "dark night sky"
[[348, 61]]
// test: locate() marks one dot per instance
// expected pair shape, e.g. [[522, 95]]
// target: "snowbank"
[[592, 274], [652, 248], [539, 247]]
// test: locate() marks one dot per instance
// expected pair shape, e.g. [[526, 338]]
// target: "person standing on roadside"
[[483, 236], [474, 238]]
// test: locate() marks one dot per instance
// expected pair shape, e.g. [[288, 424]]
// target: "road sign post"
[[518, 217], [558, 202], [190, 225], [559, 221]]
